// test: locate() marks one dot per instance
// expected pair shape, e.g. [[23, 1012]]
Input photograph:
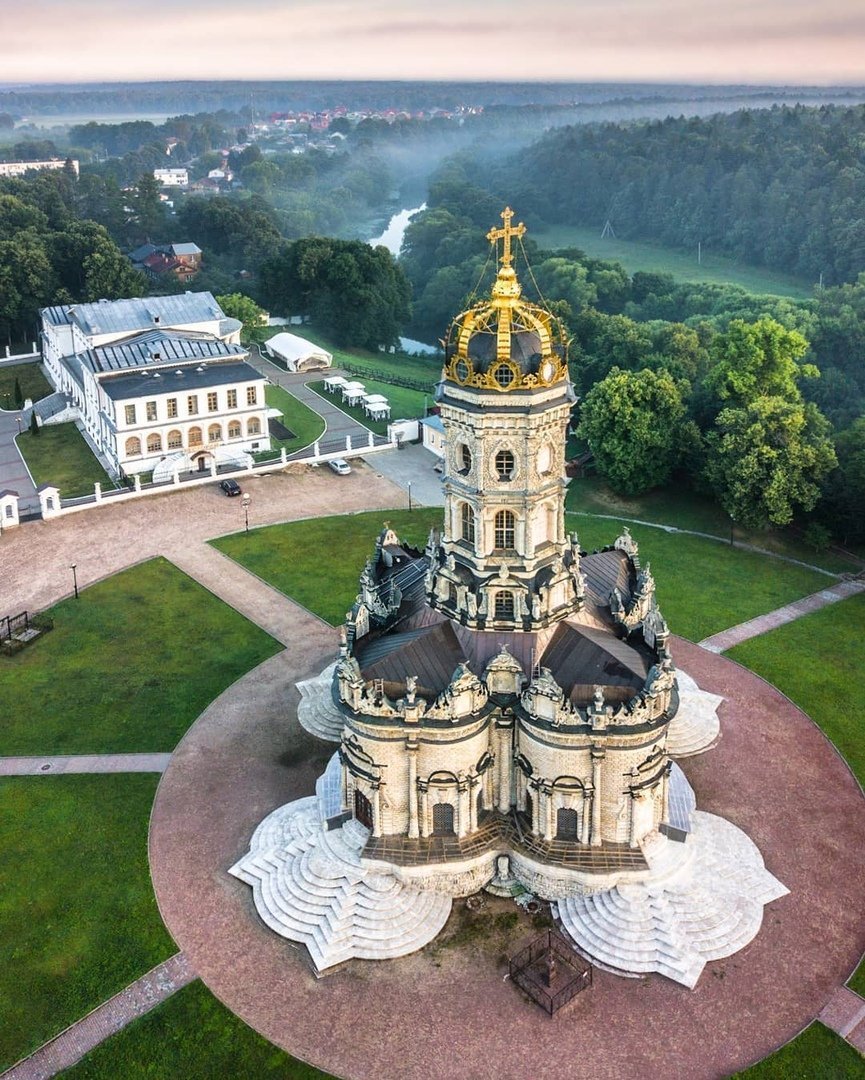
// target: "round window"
[[504, 375], [462, 371]]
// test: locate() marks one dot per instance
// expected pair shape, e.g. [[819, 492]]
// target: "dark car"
[[230, 487]]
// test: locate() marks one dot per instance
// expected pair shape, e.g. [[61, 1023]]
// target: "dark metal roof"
[[185, 379], [155, 348], [430, 654], [605, 571], [583, 657], [127, 316]]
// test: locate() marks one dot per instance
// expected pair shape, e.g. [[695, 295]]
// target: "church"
[[507, 709]]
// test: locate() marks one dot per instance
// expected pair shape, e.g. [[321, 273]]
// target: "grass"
[[817, 661], [128, 667], [683, 508], [816, 1054], [191, 1035], [318, 562], [78, 919], [405, 404], [306, 425], [30, 378], [640, 255], [703, 586], [59, 455], [425, 369]]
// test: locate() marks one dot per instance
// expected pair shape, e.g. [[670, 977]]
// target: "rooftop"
[[117, 316], [158, 348], [182, 380]]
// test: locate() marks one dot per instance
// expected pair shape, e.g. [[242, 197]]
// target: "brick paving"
[[83, 763], [843, 1012], [773, 774], [135, 1000], [735, 635]]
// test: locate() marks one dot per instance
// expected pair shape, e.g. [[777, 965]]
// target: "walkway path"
[[844, 1013], [13, 472], [138, 998], [719, 643], [83, 763]]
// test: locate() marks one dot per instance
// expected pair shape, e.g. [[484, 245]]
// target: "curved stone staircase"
[[696, 726], [672, 924], [309, 886], [316, 709]]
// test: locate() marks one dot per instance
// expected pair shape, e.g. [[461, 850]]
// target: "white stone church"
[[159, 384]]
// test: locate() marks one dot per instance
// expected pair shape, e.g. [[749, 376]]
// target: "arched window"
[[465, 458], [234, 430], [195, 436], [443, 819], [504, 529], [504, 604], [505, 464], [467, 523], [566, 824], [133, 447], [214, 433], [253, 426], [154, 444], [174, 439]]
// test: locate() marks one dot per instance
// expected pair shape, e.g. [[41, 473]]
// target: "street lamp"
[[18, 422], [409, 496], [73, 568], [245, 501]]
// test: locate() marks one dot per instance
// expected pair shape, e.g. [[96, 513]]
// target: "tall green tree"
[[634, 423], [758, 359]]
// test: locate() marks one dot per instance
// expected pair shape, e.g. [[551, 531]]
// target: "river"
[[391, 238]]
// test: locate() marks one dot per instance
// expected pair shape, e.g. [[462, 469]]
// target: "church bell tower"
[[504, 561]]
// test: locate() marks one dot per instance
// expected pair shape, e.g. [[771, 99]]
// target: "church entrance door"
[[362, 809], [443, 819]]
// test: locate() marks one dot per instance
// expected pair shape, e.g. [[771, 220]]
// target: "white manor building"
[[157, 384]]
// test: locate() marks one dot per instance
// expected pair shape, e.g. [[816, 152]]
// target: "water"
[[392, 236], [410, 346]]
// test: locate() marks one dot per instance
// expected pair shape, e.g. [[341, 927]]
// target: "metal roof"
[[183, 380], [57, 316], [119, 316], [185, 249], [157, 348]]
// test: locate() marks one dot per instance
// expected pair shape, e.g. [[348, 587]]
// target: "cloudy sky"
[[580, 40]]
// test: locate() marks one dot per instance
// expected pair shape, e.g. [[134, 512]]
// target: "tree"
[[843, 508], [35, 430], [244, 308], [758, 359], [767, 460], [18, 395], [634, 424], [149, 209]]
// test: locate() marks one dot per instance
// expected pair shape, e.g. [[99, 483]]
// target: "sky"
[[723, 41]]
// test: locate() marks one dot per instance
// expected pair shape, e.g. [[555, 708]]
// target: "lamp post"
[[409, 496], [73, 568], [245, 501], [18, 422], [732, 523]]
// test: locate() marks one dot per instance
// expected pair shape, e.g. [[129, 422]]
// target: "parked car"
[[340, 466], [230, 487]]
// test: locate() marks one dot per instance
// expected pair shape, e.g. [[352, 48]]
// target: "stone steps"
[[675, 923], [310, 887], [316, 710], [696, 726]]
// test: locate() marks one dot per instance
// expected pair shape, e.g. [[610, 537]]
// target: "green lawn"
[[59, 455], [683, 508], [816, 1054], [31, 380], [194, 1037], [703, 586], [424, 369], [640, 255], [405, 404], [78, 919], [306, 424], [318, 562], [128, 667]]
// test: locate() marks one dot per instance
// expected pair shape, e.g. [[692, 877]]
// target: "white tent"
[[334, 382], [353, 393], [298, 353]]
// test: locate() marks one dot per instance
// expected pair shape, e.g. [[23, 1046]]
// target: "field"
[[31, 380], [637, 255], [59, 455], [128, 666]]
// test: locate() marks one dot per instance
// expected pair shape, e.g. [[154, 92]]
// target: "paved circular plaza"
[[450, 1013]]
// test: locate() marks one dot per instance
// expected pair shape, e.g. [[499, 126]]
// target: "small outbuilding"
[[297, 353]]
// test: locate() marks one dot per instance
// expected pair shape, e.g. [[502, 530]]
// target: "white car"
[[340, 466]]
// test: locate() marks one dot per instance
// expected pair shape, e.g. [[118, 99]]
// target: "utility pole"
[[699, 253]]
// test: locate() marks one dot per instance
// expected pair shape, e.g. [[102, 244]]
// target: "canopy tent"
[[298, 353]]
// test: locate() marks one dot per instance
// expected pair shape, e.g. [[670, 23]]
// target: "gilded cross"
[[505, 234]]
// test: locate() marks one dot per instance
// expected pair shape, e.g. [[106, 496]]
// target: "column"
[[636, 799], [425, 829], [504, 767], [463, 809], [474, 784], [586, 817], [376, 812], [597, 764], [548, 815], [348, 442], [97, 491], [413, 830], [536, 810]]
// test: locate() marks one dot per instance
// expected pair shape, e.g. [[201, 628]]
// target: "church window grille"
[[443, 819], [154, 444], [503, 375], [133, 447], [504, 605], [505, 464], [504, 529], [566, 824], [175, 440], [362, 808], [468, 523]]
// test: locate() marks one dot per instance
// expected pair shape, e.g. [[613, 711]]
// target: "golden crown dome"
[[506, 343]]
